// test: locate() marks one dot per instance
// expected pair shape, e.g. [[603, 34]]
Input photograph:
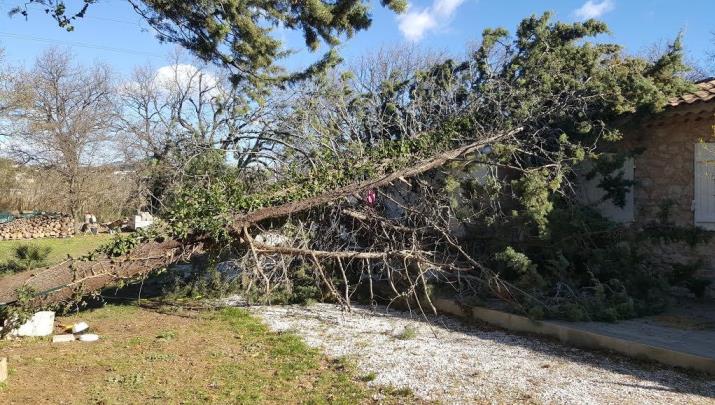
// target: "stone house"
[[674, 173]]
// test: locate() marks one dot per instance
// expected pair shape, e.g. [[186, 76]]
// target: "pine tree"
[[238, 33]]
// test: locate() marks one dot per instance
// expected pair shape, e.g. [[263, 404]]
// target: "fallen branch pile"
[[257, 216], [72, 277]]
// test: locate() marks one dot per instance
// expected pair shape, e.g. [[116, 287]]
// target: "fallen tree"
[[429, 209], [82, 276]]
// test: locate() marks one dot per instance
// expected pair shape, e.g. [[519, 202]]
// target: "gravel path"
[[450, 362]]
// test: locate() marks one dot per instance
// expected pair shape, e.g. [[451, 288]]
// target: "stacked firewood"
[[41, 226]]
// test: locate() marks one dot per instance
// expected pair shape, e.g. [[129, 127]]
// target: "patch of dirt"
[[186, 357], [450, 362]]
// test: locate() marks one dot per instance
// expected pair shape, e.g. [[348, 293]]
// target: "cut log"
[[37, 227]]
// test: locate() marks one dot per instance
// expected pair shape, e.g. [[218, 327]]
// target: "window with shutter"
[[704, 202]]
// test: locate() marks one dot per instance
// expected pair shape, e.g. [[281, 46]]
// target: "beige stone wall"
[[665, 172]]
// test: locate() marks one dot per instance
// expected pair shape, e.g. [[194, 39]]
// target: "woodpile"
[[41, 226]]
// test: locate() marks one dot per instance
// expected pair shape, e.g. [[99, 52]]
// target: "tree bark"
[[62, 281]]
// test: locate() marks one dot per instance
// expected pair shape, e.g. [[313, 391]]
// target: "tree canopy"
[[239, 34]]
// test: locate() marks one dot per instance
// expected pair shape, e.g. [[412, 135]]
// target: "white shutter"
[[590, 194], [704, 203]]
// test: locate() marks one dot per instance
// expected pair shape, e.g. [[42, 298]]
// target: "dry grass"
[[143, 356]]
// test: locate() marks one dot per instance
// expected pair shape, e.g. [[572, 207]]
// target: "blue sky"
[[113, 33]]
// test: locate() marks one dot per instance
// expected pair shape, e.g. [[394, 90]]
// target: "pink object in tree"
[[371, 198]]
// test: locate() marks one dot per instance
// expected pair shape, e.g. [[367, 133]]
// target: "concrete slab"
[[644, 338], [3, 369], [696, 342]]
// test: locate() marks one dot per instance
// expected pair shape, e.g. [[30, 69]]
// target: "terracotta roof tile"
[[705, 92]]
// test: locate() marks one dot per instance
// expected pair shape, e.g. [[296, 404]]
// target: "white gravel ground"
[[450, 362]]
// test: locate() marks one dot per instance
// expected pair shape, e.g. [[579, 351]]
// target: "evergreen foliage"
[[239, 34]]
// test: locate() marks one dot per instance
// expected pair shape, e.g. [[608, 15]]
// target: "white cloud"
[[594, 9], [184, 77], [445, 8], [415, 23], [174, 79]]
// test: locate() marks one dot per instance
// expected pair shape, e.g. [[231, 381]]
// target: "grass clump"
[[26, 257], [166, 335], [371, 376], [409, 333]]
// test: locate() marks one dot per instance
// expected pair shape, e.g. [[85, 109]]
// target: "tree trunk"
[[63, 281]]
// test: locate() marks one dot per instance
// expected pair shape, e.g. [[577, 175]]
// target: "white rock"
[[63, 338], [41, 324], [89, 337], [273, 239], [142, 220], [79, 327]]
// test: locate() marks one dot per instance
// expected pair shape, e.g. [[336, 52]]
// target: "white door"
[[704, 203]]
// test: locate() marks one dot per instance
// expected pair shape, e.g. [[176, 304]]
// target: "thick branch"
[[241, 221], [261, 248]]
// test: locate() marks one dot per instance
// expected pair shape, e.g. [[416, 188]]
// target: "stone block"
[[41, 324], [3, 369], [63, 338]]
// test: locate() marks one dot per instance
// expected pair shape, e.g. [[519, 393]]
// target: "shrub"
[[27, 257]]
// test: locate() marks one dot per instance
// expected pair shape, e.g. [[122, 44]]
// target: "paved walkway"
[[682, 337], [687, 328]]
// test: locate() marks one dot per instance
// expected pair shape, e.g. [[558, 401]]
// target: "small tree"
[[12, 96], [27, 257]]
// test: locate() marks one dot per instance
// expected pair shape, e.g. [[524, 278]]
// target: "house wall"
[[664, 173], [665, 170]]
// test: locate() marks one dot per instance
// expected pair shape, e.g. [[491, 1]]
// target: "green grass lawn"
[[143, 356], [75, 246]]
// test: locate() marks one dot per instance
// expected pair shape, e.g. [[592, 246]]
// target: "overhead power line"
[[78, 44], [116, 20]]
